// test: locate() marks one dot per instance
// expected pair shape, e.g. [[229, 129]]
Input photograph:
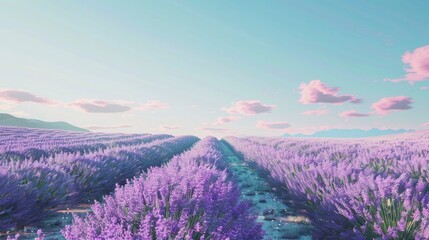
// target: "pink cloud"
[[318, 92], [18, 96], [272, 125], [94, 127], [249, 107], [424, 88], [425, 124], [119, 106], [353, 113], [151, 105], [385, 105], [317, 112], [418, 65], [223, 120], [101, 106], [168, 127]]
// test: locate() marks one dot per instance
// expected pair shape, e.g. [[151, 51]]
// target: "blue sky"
[[216, 68]]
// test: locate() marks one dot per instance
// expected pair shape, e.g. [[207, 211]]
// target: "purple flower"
[[187, 198], [350, 187]]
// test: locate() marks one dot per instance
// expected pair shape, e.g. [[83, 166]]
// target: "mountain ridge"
[[351, 133], [12, 121]]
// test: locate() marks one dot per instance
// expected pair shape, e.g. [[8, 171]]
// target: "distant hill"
[[351, 133], [9, 120]]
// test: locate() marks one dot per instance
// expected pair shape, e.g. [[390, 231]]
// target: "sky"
[[217, 67]]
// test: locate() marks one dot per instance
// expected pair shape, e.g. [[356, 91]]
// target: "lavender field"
[[69, 185], [214, 120]]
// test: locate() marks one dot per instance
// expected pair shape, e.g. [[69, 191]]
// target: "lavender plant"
[[97, 173], [354, 189], [32, 189], [26, 143], [189, 198]]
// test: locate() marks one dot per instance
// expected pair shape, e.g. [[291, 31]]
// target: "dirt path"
[[279, 220], [52, 225]]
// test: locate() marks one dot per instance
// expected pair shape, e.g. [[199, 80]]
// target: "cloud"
[[101, 106], [151, 105], [212, 129], [353, 113], [318, 92], [118, 106], [385, 105], [249, 107], [424, 88], [317, 112], [168, 127], [127, 115], [425, 124], [418, 65], [93, 127], [223, 120], [272, 125], [11, 97], [307, 130], [18, 96], [20, 114], [7, 106]]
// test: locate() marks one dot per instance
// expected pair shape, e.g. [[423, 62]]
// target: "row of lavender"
[[20, 143], [32, 189], [189, 198], [352, 189]]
